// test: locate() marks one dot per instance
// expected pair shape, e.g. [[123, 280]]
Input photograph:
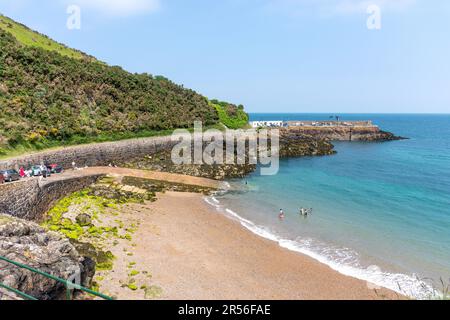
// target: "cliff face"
[[340, 133]]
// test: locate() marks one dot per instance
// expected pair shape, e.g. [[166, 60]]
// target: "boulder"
[[84, 219], [29, 244]]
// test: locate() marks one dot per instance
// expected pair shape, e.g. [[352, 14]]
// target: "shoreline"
[[402, 285], [193, 252]]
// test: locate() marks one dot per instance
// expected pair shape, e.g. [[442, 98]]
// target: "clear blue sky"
[[270, 55]]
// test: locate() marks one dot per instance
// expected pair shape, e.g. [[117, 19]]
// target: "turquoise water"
[[381, 210]]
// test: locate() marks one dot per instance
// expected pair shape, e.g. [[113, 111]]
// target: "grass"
[[32, 38]]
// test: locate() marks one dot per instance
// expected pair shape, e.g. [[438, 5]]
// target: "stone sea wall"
[[99, 154], [121, 152], [31, 199]]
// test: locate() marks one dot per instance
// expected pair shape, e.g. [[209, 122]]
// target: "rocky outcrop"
[[378, 136], [154, 186], [302, 146], [290, 146], [162, 161], [27, 243]]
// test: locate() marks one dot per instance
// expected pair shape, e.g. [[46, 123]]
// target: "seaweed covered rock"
[[28, 243], [163, 186], [290, 146], [84, 220], [162, 161], [300, 146], [381, 136]]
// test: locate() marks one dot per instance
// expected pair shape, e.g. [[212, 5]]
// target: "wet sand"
[[184, 249]]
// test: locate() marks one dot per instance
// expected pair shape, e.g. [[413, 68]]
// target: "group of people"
[[303, 212]]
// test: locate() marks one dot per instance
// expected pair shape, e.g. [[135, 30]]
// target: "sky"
[[302, 56]]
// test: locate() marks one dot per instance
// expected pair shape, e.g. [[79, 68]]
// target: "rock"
[[163, 162], [387, 136], [87, 276], [152, 186], [84, 219], [341, 133], [302, 146], [29, 244]]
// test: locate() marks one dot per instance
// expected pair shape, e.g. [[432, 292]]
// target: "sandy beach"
[[184, 249]]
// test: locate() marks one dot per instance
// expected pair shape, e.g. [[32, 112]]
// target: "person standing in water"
[[281, 215], [305, 212]]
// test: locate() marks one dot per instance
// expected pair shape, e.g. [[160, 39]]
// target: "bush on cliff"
[[233, 117]]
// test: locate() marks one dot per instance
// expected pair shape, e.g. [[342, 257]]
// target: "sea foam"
[[342, 260]]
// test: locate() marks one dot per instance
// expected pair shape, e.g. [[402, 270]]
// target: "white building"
[[266, 124]]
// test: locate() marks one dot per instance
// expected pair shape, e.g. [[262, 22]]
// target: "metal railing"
[[70, 286]]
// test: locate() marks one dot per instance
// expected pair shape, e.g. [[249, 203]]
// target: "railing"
[[70, 286]]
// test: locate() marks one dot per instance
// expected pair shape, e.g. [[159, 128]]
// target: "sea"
[[380, 210]]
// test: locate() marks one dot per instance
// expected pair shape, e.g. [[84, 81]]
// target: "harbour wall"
[[30, 199]]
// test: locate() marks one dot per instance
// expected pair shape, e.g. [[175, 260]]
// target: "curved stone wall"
[[99, 154], [31, 199]]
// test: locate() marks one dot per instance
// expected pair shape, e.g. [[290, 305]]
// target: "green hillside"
[[51, 95], [32, 38]]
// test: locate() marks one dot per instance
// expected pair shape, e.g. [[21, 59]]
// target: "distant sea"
[[381, 211]]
